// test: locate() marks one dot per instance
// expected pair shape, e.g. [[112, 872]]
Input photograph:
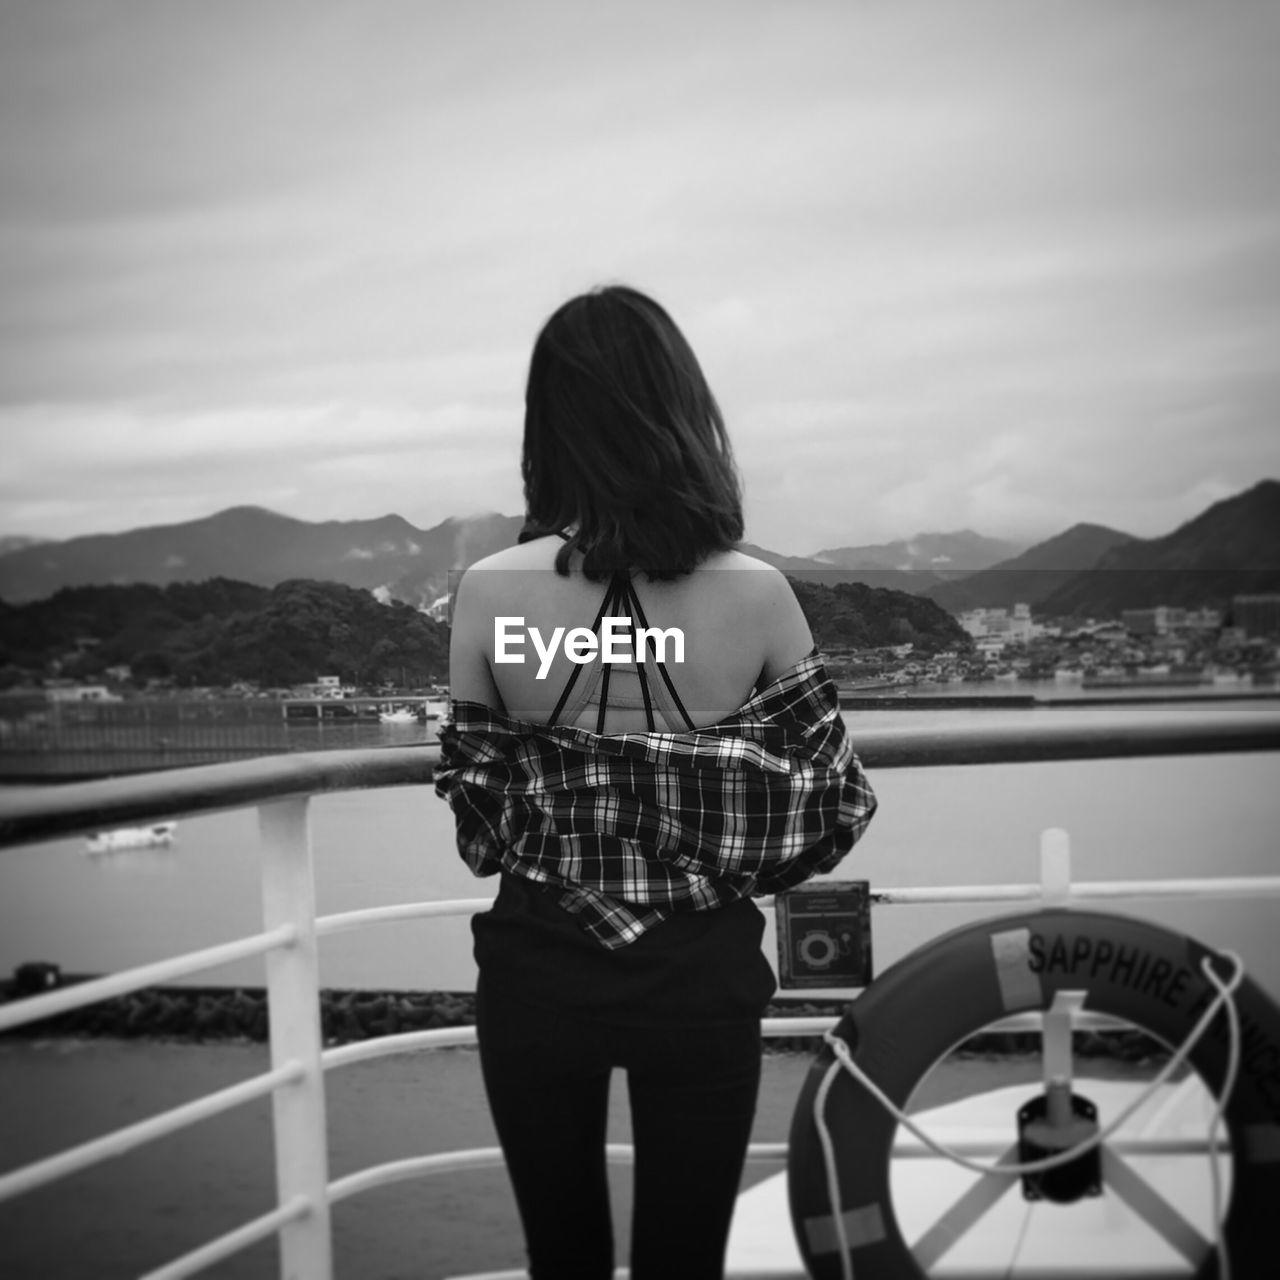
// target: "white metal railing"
[[281, 789]]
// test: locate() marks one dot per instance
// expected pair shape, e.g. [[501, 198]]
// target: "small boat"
[[436, 708], [401, 715], [159, 833]]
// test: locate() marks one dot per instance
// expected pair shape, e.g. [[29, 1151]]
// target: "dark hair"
[[624, 445]]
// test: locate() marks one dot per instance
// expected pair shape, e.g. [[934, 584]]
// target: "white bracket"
[[1056, 1051], [1055, 867]]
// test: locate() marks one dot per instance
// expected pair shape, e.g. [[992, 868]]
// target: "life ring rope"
[[1212, 1016], [844, 1061]]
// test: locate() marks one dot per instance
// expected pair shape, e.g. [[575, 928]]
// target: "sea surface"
[[1168, 817]]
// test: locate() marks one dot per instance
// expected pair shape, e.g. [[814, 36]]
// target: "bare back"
[[739, 621]]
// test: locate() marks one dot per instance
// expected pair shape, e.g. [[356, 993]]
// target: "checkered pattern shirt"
[[636, 826]]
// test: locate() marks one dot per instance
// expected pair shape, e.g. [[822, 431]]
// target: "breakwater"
[[1120, 694], [902, 701], [57, 742], [230, 1013], [212, 1014]]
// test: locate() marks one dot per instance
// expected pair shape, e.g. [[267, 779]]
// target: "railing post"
[[293, 990], [1055, 867]]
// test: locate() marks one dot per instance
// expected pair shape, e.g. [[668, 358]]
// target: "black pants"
[[693, 1098]]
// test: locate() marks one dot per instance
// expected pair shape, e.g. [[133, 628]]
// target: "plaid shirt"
[[636, 826]]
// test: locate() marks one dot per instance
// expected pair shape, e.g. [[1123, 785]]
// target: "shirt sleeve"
[[857, 806], [772, 826], [660, 820], [463, 779]]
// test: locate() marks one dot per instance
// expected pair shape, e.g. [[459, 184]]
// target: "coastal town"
[[1164, 645]]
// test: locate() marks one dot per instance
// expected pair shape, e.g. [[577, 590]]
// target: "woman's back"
[[730, 626], [623, 933]]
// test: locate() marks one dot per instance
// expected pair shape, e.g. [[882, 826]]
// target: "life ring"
[[927, 1003]]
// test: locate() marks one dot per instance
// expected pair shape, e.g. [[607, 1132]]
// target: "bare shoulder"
[[500, 575], [756, 581], [734, 559], [777, 620], [539, 553]]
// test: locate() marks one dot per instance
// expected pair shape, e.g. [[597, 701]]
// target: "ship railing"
[[281, 789]]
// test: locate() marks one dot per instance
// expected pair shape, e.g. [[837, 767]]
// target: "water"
[[109, 738], [1169, 817]]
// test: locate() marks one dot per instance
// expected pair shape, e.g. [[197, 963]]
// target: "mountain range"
[[946, 555], [251, 544], [16, 542], [1088, 570], [1034, 575], [1231, 548]]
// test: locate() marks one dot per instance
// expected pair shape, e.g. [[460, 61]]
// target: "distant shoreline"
[[94, 757], [905, 701]]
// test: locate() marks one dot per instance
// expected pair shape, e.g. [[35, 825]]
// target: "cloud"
[[976, 265]]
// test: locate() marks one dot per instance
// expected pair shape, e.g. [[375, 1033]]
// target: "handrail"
[[19, 1012], [281, 787], [775, 1028], [905, 1146], [37, 1007], [116, 1143], [76, 807], [1209, 887], [72, 808], [261, 1228], [344, 920]]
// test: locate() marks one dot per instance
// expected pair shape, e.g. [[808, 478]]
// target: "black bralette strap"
[[621, 595], [644, 680], [623, 592], [637, 610], [605, 606], [615, 598]]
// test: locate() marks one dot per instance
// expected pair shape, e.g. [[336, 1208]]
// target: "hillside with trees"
[[221, 632], [851, 615]]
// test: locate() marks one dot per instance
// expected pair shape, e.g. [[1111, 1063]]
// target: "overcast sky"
[[998, 266]]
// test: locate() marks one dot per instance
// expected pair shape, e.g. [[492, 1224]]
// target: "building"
[[1203, 619], [1166, 618], [81, 693], [1015, 627], [1151, 622], [1257, 615], [1104, 632], [325, 687]]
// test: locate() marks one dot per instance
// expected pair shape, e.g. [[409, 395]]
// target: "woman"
[[632, 808]]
